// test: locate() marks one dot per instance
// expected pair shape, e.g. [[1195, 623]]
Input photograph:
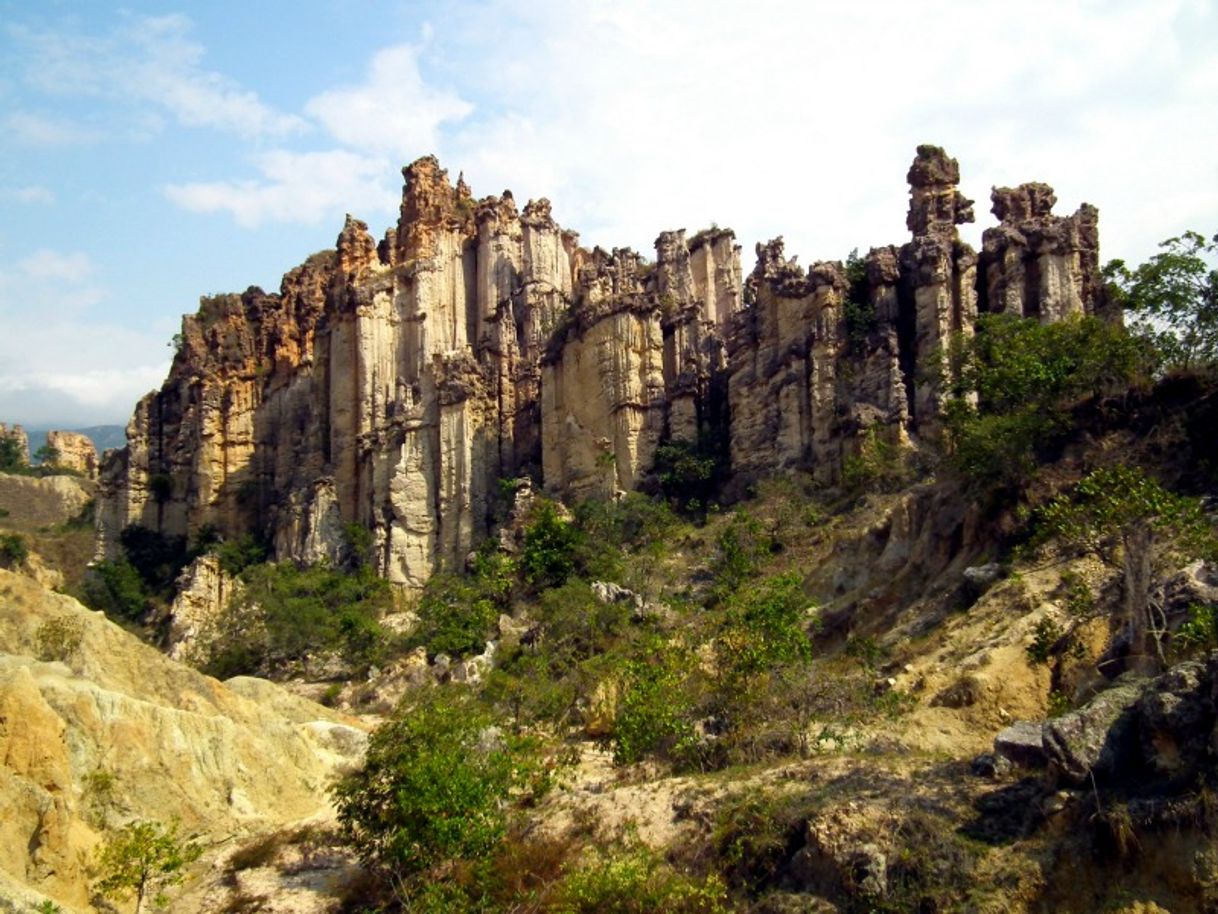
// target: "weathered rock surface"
[[203, 593], [74, 451], [1095, 740], [43, 501], [393, 385], [165, 741], [17, 434]]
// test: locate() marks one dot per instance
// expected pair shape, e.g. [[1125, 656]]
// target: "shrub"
[[59, 638], [548, 553], [13, 550], [1026, 375], [157, 557], [300, 611], [431, 794], [634, 880], [144, 857], [116, 589], [238, 554], [740, 547], [688, 472], [458, 612], [657, 707]]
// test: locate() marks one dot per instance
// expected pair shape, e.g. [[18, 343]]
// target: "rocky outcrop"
[[73, 451], [20, 439], [43, 502], [98, 729], [393, 385], [1035, 264]]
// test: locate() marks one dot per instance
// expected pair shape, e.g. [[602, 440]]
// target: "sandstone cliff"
[[392, 384], [98, 729], [73, 451], [17, 435]]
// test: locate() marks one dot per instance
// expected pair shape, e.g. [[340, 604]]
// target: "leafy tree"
[[687, 473], [549, 549], [858, 311], [1173, 299], [657, 707], [47, 456], [12, 457], [1133, 523], [144, 857], [117, 589], [297, 611], [765, 628], [430, 795], [457, 612], [1018, 379]]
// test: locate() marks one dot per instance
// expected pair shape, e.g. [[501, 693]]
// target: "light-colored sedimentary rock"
[[17, 435], [393, 385], [73, 451], [112, 732], [1036, 264]]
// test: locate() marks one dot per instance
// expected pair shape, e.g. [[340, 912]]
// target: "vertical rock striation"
[[74, 451], [20, 439], [392, 385]]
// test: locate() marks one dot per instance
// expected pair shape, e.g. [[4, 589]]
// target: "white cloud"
[[31, 128], [150, 60], [801, 120], [294, 187], [30, 194], [44, 264], [393, 111]]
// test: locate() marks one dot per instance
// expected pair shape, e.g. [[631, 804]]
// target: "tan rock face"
[[17, 433], [74, 451], [114, 732], [1036, 264], [393, 385]]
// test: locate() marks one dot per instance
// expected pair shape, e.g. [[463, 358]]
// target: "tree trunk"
[[1136, 541]]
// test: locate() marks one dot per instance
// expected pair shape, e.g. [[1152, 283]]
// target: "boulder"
[[1022, 744], [1096, 740]]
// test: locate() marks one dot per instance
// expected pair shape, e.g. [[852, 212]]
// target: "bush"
[[457, 613], [548, 553], [657, 708], [688, 472], [144, 857], [13, 550], [158, 558], [1026, 376], [116, 589], [430, 795], [238, 554], [59, 639], [289, 613], [634, 880]]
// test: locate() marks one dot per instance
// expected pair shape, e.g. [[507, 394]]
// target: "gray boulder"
[[1022, 744], [1097, 740]]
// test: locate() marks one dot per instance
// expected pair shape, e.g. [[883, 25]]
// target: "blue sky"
[[156, 152]]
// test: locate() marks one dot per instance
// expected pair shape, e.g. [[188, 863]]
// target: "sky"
[[152, 153]]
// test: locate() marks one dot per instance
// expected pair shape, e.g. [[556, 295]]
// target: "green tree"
[[13, 550], [12, 457], [431, 794], [143, 858], [548, 553], [1173, 299], [1016, 384], [47, 456], [1133, 523]]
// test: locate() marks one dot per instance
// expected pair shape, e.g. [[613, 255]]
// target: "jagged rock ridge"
[[393, 384]]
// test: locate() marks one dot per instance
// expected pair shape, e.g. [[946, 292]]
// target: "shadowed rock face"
[[392, 385]]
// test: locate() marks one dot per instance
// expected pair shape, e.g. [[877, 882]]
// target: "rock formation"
[[392, 385], [98, 729], [18, 435], [73, 451]]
